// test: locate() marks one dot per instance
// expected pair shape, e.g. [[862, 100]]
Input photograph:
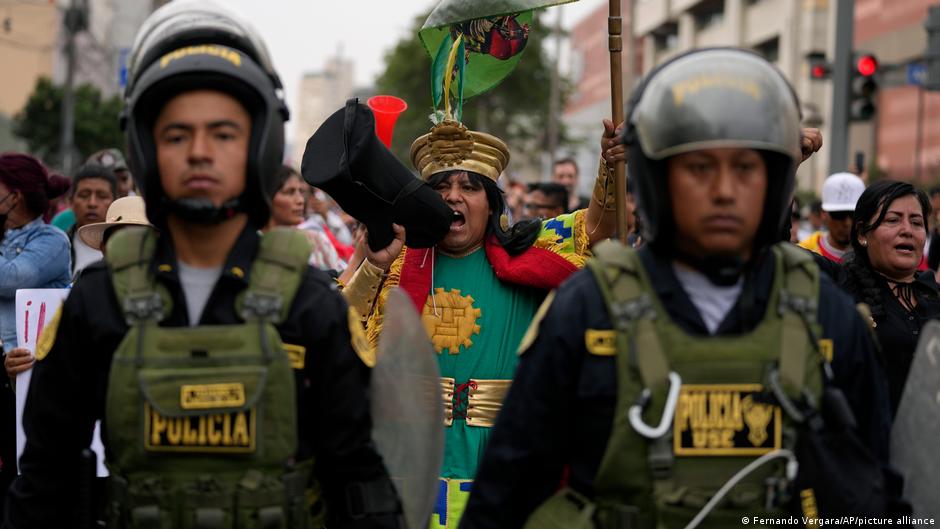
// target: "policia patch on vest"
[[221, 433], [725, 420]]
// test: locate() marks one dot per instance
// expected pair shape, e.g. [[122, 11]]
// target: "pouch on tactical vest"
[[202, 421], [718, 428]]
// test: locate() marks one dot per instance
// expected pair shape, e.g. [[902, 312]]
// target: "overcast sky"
[[303, 34]]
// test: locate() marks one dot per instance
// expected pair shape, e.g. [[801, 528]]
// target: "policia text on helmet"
[[224, 368], [685, 383]]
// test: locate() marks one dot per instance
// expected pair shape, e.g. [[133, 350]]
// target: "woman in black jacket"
[[889, 231]]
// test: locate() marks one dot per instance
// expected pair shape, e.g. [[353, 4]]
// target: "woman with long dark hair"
[[889, 230], [33, 254]]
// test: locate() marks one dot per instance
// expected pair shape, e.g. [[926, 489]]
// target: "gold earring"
[[504, 222]]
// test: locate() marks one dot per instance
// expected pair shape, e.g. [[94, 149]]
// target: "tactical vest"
[[725, 415], [201, 421]]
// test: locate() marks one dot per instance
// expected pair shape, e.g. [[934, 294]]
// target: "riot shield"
[[917, 427], [407, 410]]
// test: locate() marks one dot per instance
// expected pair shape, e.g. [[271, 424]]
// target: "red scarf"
[[535, 267]]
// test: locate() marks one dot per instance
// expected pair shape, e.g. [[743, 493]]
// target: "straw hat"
[[127, 211]]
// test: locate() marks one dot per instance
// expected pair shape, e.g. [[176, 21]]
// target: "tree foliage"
[[515, 110], [8, 141], [96, 120]]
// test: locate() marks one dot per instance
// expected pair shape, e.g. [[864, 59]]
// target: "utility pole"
[[554, 94], [76, 20], [841, 89]]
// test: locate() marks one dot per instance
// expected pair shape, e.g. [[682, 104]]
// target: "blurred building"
[[102, 50], [32, 40], [783, 31], [27, 50], [588, 68], [904, 137], [320, 94]]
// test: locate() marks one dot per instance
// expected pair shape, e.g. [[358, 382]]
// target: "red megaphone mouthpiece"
[[386, 110]]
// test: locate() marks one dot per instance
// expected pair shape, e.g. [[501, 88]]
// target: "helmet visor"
[[720, 98]]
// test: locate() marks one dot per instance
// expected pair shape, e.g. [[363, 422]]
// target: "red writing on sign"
[[39, 326]]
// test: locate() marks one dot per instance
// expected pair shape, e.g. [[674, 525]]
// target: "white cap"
[[840, 192]]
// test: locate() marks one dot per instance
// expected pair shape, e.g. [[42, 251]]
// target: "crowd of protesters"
[[237, 293], [37, 255], [878, 242]]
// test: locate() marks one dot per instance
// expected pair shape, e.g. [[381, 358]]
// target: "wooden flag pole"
[[615, 45]]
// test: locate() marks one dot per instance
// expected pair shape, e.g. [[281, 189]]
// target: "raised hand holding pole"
[[615, 45]]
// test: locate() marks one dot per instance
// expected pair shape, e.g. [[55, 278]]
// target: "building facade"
[[320, 94], [783, 31], [588, 68], [27, 50], [32, 42], [904, 137], [102, 50]]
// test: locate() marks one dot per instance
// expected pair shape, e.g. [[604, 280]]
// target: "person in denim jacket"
[[32, 255]]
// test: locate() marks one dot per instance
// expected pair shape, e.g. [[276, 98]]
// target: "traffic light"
[[864, 87], [819, 67], [932, 56]]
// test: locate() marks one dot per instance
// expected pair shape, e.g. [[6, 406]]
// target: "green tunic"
[[476, 322]]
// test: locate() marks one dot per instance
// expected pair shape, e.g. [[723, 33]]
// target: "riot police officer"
[[222, 365], [692, 381]]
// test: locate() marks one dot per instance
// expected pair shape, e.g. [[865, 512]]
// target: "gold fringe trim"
[[582, 251], [582, 241], [376, 317]]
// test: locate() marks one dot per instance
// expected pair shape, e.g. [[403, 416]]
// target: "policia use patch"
[[725, 420]]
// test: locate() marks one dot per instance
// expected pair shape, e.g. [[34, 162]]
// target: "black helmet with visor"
[[704, 99], [194, 45]]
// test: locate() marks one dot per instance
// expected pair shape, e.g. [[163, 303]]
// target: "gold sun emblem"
[[450, 320]]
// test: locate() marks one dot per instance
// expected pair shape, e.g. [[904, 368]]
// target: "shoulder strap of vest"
[[797, 306], [620, 277], [275, 275], [129, 257], [618, 272]]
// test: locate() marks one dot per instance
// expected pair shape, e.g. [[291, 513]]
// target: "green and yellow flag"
[[476, 42]]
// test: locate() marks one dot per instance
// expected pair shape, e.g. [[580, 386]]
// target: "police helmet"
[[712, 98], [201, 44]]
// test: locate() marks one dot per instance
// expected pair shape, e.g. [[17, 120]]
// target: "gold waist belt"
[[477, 401]]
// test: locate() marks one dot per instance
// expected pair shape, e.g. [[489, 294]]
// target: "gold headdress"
[[451, 146]]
